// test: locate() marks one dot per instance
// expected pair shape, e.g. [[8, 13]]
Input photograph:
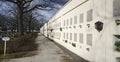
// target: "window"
[[116, 7], [75, 19], [59, 35], [71, 21], [81, 18], [81, 38], [75, 37], [89, 15], [67, 22], [70, 36], [60, 24], [66, 35], [64, 22], [89, 39]]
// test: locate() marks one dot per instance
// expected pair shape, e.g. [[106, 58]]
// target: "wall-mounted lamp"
[[99, 26], [117, 22]]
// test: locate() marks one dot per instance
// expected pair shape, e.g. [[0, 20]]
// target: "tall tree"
[[30, 18], [24, 6]]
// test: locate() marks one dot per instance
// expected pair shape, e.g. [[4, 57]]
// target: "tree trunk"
[[20, 19], [30, 21], [30, 25]]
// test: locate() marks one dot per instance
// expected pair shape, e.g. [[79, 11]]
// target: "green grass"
[[7, 56]]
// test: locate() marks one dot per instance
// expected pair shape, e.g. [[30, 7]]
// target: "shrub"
[[117, 44], [1, 47], [19, 46], [73, 44], [16, 43]]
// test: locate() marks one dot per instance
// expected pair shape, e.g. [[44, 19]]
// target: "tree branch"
[[29, 1], [37, 16], [26, 6], [36, 6], [12, 1], [39, 7]]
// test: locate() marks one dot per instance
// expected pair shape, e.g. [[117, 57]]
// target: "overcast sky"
[[47, 14]]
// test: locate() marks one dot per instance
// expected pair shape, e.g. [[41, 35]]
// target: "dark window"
[[116, 7]]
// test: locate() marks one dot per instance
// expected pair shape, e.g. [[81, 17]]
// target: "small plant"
[[60, 29], [117, 44], [73, 44], [51, 30], [87, 49], [66, 41]]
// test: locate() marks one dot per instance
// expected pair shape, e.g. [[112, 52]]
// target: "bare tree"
[[30, 18], [24, 6]]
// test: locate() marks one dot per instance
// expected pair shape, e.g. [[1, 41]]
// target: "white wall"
[[102, 48]]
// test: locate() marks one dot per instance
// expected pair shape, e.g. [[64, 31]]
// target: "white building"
[[74, 28]]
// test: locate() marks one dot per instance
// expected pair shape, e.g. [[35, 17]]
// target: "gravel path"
[[47, 52]]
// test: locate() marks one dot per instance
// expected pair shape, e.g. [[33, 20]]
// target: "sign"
[[5, 39]]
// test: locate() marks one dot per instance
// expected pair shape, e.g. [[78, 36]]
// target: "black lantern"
[[98, 26]]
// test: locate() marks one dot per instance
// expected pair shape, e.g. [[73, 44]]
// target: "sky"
[[57, 4]]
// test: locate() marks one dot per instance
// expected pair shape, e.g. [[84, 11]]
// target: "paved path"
[[47, 52]]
